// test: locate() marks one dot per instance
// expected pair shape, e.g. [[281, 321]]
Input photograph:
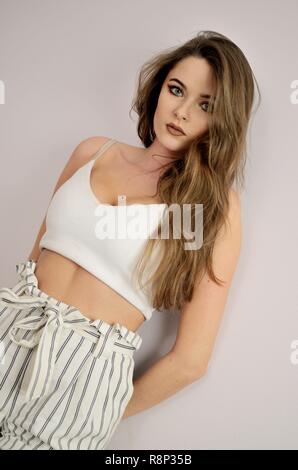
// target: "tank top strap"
[[103, 148]]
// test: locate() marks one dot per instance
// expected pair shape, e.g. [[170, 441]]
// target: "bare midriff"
[[65, 280]]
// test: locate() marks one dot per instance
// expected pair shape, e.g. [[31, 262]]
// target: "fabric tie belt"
[[48, 320]]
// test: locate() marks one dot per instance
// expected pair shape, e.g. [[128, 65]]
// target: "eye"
[[207, 103], [171, 87]]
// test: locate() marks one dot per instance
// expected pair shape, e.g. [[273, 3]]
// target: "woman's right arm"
[[83, 152]]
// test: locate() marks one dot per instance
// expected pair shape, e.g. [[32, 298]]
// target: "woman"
[[69, 326]]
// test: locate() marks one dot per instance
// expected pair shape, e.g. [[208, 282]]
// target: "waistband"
[[46, 323]]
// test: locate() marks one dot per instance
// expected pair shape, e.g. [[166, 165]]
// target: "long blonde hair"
[[205, 172]]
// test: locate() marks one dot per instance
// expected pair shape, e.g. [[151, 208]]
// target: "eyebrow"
[[185, 88]]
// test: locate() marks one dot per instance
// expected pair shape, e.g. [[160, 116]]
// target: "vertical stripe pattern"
[[65, 380]]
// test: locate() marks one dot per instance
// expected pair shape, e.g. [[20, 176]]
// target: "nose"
[[181, 113]]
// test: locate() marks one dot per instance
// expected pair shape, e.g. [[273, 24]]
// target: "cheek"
[[162, 108], [198, 126], [202, 127], [201, 121]]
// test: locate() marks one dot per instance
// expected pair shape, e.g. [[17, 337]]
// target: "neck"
[[157, 157]]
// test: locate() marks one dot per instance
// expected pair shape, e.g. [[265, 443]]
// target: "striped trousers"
[[65, 380]]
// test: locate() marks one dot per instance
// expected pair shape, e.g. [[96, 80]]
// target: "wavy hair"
[[205, 172]]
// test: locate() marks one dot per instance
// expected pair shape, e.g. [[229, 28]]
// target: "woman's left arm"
[[199, 322]]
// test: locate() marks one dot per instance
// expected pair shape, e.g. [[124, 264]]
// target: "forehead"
[[196, 73]]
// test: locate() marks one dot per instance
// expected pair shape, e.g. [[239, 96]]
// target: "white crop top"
[[75, 228]]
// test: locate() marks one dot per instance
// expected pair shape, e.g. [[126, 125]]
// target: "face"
[[184, 105]]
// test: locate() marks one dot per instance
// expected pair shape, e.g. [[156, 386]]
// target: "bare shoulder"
[[85, 150], [81, 154]]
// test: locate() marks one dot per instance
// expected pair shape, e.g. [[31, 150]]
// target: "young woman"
[[69, 326]]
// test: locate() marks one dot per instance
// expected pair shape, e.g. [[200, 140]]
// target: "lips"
[[174, 130]]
